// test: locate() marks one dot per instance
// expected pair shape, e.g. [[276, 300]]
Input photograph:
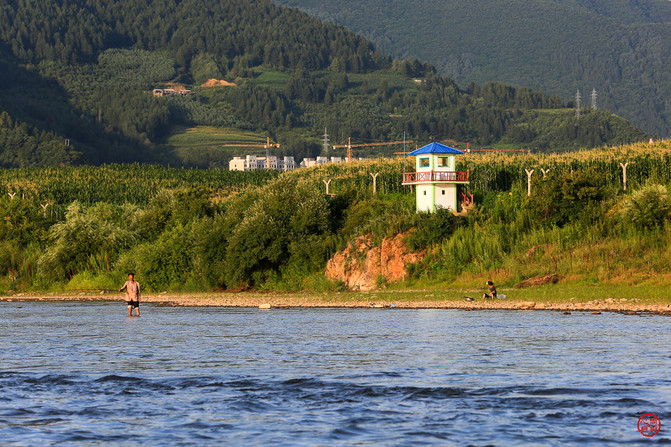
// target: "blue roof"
[[435, 148]]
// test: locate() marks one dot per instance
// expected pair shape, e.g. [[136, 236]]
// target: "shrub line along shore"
[[430, 300], [210, 230]]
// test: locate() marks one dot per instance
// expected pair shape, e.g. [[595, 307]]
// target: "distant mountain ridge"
[[620, 47]]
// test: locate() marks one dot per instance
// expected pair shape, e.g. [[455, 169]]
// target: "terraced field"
[[203, 146]]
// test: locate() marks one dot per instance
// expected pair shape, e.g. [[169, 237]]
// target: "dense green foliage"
[[241, 33], [24, 145], [42, 106], [206, 230], [647, 208], [621, 48], [82, 71]]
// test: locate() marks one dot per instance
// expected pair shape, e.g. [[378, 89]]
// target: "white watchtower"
[[436, 178]]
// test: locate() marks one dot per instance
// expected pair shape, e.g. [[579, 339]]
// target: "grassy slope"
[[586, 265], [208, 137], [270, 78], [191, 145]]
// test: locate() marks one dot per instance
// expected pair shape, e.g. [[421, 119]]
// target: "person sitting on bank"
[[132, 295], [492, 290]]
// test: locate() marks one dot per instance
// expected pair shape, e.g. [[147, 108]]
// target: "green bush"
[[284, 212], [433, 228], [647, 208], [150, 222], [89, 280], [10, 254], [568, 198], [167, 262], [84, 239], [209, 262], [382, 216], [23, 221], [192, 204]]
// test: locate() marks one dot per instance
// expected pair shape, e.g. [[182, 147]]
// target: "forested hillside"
[[620, 47], [79, 76]]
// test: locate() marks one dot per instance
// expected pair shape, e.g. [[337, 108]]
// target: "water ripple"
[[327, 377]]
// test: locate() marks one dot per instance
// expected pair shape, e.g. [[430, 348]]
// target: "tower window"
[[443, 191], [424, 162], [443, 162], [424, 192]]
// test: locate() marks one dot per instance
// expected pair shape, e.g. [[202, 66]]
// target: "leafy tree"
[[568, 198], [270, 233], [86, 239]]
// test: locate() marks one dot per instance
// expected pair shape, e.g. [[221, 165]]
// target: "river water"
[[85, 374]]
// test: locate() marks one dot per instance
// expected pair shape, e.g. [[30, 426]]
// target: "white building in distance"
[[310, 162], [252, 162]]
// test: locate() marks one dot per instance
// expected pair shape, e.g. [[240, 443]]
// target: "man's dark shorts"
[[133, 304]]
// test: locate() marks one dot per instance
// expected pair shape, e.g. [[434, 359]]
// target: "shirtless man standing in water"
[[132, 295]]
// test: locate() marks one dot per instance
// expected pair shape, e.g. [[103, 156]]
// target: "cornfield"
[[137, 184], [131, 183], [356, 175], [501, 171]]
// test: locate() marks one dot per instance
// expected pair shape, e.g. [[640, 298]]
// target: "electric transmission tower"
[[577, 104], [326, 143], [593, 98]]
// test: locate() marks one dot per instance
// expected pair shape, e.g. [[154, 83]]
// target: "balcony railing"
[[433, 176]]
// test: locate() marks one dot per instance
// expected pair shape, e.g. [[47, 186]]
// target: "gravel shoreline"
[[298, 300]]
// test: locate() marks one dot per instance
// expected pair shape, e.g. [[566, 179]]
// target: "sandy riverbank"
[[353, 300]]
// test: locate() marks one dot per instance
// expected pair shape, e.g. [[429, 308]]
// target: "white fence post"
[[624, 174], [374, 181], [529, 181]]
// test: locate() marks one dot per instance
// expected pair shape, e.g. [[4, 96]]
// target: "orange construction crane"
[[469, 150], [266, 146], [406, 153], [349, 145]]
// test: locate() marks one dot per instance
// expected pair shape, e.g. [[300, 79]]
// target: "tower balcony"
[[413, 178]]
